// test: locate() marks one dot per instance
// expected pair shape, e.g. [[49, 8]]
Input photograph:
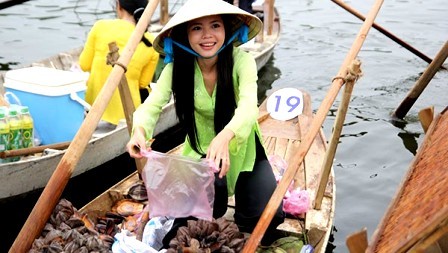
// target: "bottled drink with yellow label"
[[4, 132], [15, 131], [27, 127]]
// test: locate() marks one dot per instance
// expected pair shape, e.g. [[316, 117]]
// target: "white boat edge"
[[27, 175]]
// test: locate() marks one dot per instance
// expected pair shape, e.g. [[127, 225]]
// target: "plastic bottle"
[[4, 133], [27, 127], [15, 132]]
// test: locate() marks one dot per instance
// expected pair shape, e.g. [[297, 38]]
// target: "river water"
[[374, 152]]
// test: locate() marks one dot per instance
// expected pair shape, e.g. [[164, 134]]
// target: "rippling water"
[[374, 153]]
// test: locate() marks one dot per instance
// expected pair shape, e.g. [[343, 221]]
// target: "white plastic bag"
[[155, 230], [178, 186], [129, 244]]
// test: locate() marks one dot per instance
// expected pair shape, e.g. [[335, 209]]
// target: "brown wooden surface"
[[126, 99], [123, 87], [426, 116], [357, 242], [33, 150], [355, 71], [419, 210], [164, 12], [53, 190]]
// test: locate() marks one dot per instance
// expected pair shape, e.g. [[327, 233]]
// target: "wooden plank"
[[299, 177], [319, 218], [429, 237], [280, 129], [426, 115], [357, 242], [271, 146], [280, 147]]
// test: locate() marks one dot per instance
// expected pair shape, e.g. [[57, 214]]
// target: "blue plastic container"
[[50, 95]]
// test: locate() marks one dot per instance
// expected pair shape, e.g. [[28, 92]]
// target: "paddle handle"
[[421, 84], [33, 150], [126, 100], [355, 72]]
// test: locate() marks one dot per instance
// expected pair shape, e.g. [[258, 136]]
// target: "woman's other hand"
[[218, 151], [137, 143]]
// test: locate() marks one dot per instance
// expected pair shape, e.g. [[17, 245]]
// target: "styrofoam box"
[[47, 92]]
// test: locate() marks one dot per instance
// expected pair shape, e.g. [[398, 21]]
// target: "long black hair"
[[183, 85], [136, 8]]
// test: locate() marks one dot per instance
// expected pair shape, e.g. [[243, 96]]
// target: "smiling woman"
[[214, 84]]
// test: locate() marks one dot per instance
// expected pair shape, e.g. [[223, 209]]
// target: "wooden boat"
[[280, 139], [417, 218], [34, 172]]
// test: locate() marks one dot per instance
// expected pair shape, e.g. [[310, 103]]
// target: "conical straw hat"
[[194, 9]]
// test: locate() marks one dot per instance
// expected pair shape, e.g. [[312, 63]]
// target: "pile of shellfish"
[[203, 236], [70, 231]]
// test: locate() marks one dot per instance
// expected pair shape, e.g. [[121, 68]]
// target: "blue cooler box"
[[51, 96]]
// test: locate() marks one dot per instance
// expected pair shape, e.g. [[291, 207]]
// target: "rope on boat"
[[110, 60], [352, 74]]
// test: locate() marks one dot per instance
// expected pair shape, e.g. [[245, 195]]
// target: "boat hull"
[[27, 175]]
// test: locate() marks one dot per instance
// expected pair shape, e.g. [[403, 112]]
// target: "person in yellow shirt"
[[141, 68]]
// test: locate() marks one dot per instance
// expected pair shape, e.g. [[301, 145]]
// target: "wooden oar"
[[126, 99], [55, 186], [305, 145], [270, 15], [354, 73], [33, 150], [385, 32], [421, 84]]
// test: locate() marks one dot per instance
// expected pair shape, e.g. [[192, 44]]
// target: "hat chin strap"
[[241, 34]]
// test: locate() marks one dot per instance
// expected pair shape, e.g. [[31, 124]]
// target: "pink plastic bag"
[[178, 186], [296, 201]]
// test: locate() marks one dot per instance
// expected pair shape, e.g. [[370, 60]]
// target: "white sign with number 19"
[[285, 104]]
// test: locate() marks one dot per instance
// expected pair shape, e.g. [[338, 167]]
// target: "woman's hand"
[[137, 143], [218, 151]]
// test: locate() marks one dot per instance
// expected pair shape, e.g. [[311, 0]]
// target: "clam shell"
[[127, 207], [138, 191]]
